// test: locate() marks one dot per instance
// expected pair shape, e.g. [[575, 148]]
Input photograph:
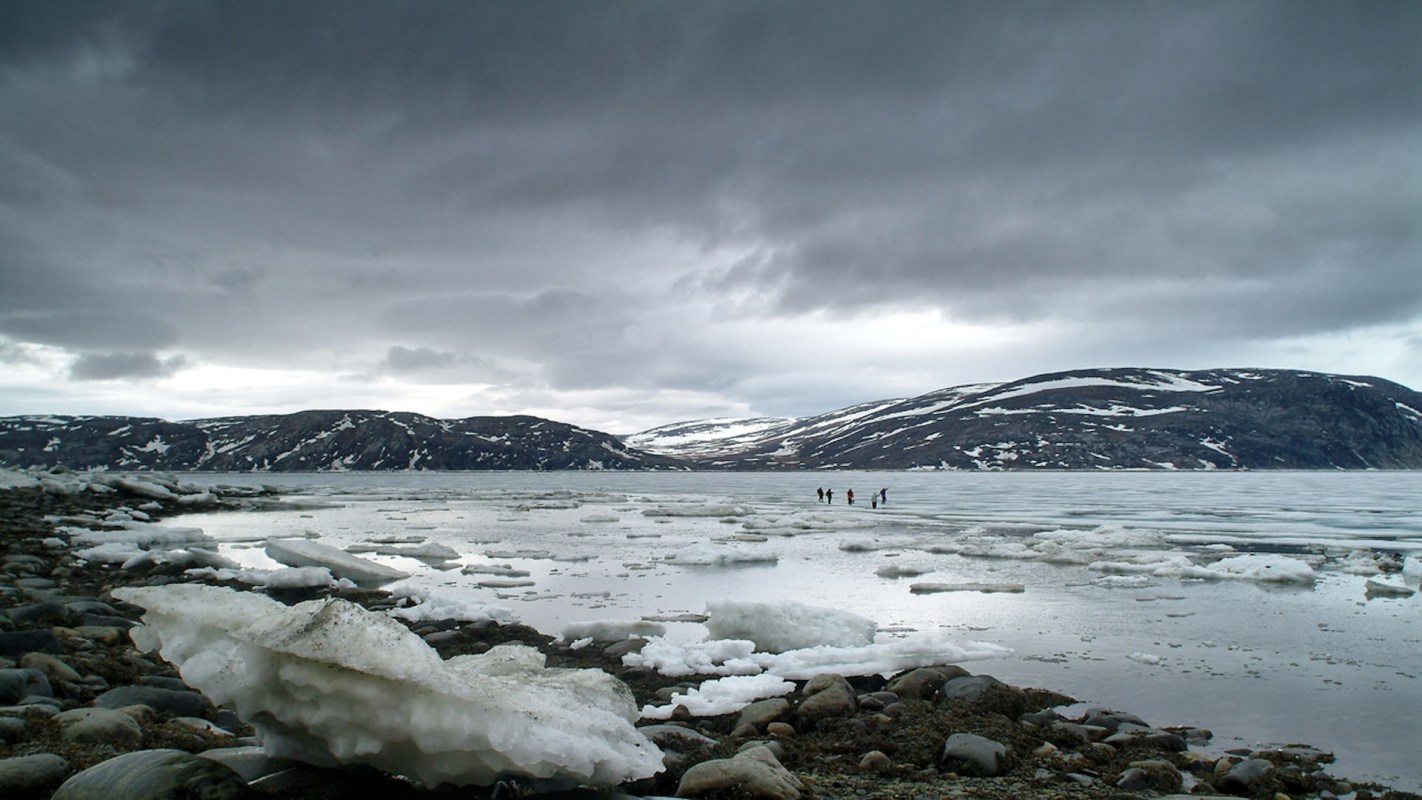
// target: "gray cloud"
[[124, 366], [569, 197]]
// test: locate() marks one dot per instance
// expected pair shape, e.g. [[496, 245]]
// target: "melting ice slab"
[[327, 682]]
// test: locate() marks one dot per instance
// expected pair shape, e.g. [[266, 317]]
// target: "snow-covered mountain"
[[315, 440], [1088, 419]]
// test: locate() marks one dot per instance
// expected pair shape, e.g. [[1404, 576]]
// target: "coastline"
[[883, 739]]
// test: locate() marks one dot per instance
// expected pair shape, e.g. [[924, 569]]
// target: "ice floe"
[[306, 553], [719, 555], [778, 627]]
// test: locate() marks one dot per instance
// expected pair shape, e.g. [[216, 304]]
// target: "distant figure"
[[850, 495], [829, 495], [821, 492], [884, 496], [873, 501]]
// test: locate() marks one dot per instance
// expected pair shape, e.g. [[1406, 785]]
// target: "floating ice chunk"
[[1266, 567], [701, 510], [738, 657], [717, 657], [306, 553], [1105, 537], [293, 577], [141, 534], [722, 696], [1387, 587], [503, 570], [719, 555], [531, 554], [1145, 658], [924, 650], [1412, 566], [1123, 582], [901, 571], [776, 628], [505, 583], [430, 605], [599, 519], [985, 588], [429, 551], [611, 630], [320, 682], [1361, 562], [111, 553]]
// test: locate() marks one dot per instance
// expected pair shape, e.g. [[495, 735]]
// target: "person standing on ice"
[[829, 496], [821, 492], [849, 495], [884, 496]]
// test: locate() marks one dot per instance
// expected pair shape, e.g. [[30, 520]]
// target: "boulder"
[[970, 754], [35, 776], [924, 682], [154, 774], [182, 704], [100, 726], [763, 712], [754, 772], [18, 684], [826, 697]]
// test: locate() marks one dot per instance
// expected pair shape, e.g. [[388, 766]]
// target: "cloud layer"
[[627, 213]]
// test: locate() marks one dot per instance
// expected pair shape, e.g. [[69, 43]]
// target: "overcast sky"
[[623, 214]]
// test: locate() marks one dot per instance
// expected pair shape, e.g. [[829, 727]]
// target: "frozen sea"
[[1103, 583]]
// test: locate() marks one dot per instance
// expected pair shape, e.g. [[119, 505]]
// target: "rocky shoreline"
[[83, 712]]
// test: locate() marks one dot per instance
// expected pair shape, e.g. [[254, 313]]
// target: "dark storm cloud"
[[411, 185], [123, 366]]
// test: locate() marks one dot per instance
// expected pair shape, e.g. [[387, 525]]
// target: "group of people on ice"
[[875, 498]]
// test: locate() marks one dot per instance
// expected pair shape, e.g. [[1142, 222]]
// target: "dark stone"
[[33, 776], [17, 643], [19, 684], [154, 775], [36, 611], [970, 688], [178, 703], [970, 754]]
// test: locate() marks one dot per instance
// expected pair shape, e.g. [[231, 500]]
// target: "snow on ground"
[[721, 696]]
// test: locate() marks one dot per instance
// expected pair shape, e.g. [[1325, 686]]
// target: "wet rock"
[[154, 774], [100, 726], [32, 776], [1112, 720], [19, 684], [17, 643], [53, 669], [875, 761], [1128, 734], [1241, 778], [763, 712], [178, 703], [969, 687], [250, 763], [924, 682], [970, 754], [12, 728], [755, 772], [826, 697]]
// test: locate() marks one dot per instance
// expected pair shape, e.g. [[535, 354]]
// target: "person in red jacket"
[[849, 495]]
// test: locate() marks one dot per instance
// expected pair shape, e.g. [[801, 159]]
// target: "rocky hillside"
[[1089, 419], [314, 440]]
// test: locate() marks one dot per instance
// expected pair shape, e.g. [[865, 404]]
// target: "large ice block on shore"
[[327, 682]]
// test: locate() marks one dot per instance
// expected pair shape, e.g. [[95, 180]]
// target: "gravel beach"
[[83, 712]]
